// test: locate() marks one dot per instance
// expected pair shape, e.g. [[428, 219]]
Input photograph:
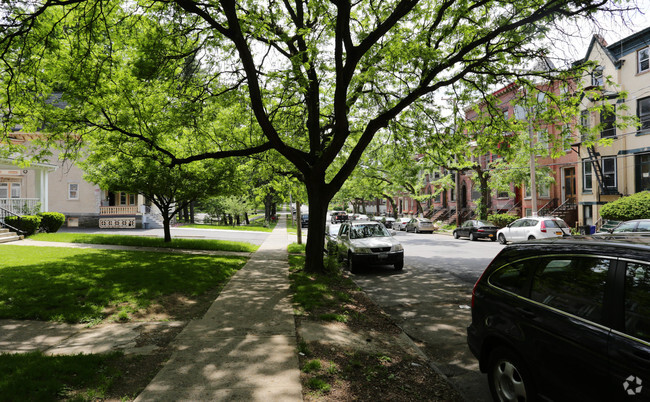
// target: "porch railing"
[[3, 214], [123, 210], [21, 206]]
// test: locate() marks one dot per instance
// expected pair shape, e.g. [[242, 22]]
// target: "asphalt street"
[[430, 299]]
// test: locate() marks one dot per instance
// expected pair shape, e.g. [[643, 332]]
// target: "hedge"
[[28, 224], [502, 220], [635, 206], [51, 221]]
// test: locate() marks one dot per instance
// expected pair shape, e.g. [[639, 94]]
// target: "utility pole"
[[533, 186]]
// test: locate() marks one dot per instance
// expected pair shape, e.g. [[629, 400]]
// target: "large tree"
[[320, 78]]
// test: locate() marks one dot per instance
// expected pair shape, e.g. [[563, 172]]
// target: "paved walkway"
[[244, 348]]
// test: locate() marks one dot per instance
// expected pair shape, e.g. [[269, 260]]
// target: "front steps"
[[7, 236]]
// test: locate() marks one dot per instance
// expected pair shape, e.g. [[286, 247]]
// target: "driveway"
[[430, 299]]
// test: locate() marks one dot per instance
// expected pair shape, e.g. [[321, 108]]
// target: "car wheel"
[[508, 377], [456, 235], [352, 266], [531, 237], [471, 237], [399, 265], [502, 239], [416, 230]]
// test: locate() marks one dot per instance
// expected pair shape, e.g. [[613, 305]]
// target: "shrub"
[[502, 220], [28, 224], [51, 221], [635, 206]]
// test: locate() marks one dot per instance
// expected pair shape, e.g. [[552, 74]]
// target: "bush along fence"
[[29, 224]]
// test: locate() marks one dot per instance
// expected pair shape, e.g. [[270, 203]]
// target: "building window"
[[584, 125], [643, 112], [642, 172], [597, 79], [609, 172], [4, 190], [643, 57], [545, 191], [476, 192], [73, 191], [15, 190], [503, 194], [587, 176], [607, 121]]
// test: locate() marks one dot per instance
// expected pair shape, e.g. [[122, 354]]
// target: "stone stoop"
[[7, 236]]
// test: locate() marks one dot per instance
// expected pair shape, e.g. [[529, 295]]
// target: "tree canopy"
[[315, 81]]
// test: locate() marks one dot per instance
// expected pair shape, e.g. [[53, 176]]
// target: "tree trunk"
[[298, 222], [318, 202], [392, 204], [483, 178], [248, 222], [192, 212]]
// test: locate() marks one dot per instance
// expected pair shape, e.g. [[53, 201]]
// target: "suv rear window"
[[575, 285], [552, 223], [512, 277]]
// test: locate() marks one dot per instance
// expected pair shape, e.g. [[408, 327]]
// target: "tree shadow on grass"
[[73, 285]]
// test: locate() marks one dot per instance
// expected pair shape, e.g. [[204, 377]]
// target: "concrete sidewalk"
[[244, 348]]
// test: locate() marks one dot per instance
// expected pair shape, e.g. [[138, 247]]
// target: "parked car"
[[359, 217], [533, 227], [476, 229], [389, 222], [304, 220], [368, 243], [400, 223], [635, 225], [332, 238], [419, 225], [338, 217], [565, 319]]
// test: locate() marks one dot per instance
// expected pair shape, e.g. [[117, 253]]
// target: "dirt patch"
[[367, 357]]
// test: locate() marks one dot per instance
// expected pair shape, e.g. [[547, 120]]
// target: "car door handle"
[[526, 312]]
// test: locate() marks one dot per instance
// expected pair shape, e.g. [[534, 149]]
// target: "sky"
[[571, 40]]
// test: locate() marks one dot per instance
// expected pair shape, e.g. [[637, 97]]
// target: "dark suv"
[[565, 320]]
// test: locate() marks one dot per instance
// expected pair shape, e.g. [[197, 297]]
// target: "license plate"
[[382, 256], [559, 233], [491, 235]]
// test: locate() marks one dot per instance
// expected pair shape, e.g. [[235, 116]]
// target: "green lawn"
[[256, 225], [143, 241], [76, 285]]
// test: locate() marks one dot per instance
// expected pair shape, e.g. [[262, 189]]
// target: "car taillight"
[[480, 230], [543, 227]]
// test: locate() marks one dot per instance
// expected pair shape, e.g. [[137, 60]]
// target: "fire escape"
[[598, 172]]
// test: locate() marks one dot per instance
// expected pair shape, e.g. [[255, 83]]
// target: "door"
[[569, 186]]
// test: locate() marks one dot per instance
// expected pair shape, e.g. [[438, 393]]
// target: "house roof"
[[620, 49]]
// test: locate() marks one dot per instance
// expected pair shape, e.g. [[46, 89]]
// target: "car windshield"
[[485, 223], [555, 223], [363, 231]]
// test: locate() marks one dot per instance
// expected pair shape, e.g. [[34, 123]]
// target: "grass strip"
[[78, 285], [145, 241], [256, 226], [35, 377]]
